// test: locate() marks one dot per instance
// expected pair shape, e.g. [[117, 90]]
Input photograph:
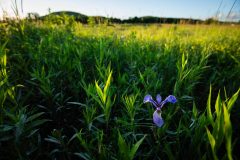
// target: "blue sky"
[[200, 9]]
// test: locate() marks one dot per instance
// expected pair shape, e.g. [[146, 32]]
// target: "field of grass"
[[75, 91]]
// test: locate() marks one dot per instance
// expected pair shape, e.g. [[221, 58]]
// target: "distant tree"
[[106, 22], [49, 10], [91, 21], [211, 21], [5, 15], [33, 15], [115, 20], [183, 21]]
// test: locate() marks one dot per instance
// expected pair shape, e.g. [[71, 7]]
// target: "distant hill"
[[78, 16], [145, 19]]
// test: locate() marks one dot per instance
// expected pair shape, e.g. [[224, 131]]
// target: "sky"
[[123, 9]]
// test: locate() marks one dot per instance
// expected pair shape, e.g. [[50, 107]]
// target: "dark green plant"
[[221, 123], [20, 130], [127, 151]]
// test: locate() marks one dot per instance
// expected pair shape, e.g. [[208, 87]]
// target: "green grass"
[[75, 91]]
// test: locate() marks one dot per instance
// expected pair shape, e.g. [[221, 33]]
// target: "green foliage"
[[3, 76], [21, 131], [82, 89], [91, 21], [62, 19], [104, 98], [127, 152], [221, 124], [129, 102]]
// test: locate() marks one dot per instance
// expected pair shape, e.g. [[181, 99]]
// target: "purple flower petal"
[[157, 118], [171, 99], [158, 98], [147, 98]]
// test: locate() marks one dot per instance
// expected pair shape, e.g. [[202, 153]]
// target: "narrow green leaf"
[[228, 132], [78, 103], [37, 123], [135, 147], [82, 141], [123, 147], [84, 156], [218, 105], [194, 111], [53, 140], [183, 61], [232, 100], [32, 117], [32, 133], [209, 112], [99, 91], [212, 143], [106, 88], [5, 128]]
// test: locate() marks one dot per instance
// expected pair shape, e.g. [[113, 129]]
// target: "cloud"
[[234, 16]]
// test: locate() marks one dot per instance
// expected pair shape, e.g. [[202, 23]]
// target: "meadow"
[[73, 91]]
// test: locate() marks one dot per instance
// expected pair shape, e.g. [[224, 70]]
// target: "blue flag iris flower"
[[158, 104]]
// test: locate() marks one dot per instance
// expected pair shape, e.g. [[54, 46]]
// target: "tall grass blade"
[[212, 143], [228, 132], [209, 112]]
